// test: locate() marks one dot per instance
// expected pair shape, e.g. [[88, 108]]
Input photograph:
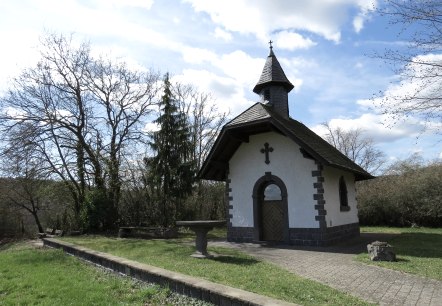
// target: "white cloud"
[[239, 74], [359, 65], [231, 14], [373, 126], [398, 142], [291, 41], [366, 7], [14, 112], [228, 92], [358, 23], [100, 18], [21, 53], [236, 65], [143, 4], [146, 4], [402, 101], [151, 127], [197, 55], [241, 67], [220, 33], [322, 17]]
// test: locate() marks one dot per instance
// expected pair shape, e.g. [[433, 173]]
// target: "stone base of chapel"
[[301, 236]]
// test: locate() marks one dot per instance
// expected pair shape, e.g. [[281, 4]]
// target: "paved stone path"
[[334, 267]]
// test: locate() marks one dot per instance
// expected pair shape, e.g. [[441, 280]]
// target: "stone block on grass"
[[381, 251]]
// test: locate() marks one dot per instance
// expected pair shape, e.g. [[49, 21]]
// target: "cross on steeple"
[[266, 151], [270, 43]]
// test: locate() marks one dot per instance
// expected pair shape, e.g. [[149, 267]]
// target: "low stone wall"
[[240, 234], [323, 236], [187, 285], [302, 236]]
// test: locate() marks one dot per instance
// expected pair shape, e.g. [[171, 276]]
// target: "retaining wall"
[[183, 284]]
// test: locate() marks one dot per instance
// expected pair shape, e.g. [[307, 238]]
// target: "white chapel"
[[284, 183]]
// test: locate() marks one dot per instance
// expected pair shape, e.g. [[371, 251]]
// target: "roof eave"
[[287, 85]]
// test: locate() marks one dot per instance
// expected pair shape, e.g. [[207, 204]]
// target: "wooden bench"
[[50, 233]]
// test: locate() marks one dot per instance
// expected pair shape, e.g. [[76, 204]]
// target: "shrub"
[[412, 197]]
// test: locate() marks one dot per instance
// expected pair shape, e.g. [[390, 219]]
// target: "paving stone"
[[334, 266]]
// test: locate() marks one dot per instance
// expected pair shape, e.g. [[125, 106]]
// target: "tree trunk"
[[37, 221]]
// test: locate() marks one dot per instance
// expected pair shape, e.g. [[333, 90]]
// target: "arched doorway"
[[272, 214], [270, 209]]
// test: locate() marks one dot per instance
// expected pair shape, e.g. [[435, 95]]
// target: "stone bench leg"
[[201, 243]]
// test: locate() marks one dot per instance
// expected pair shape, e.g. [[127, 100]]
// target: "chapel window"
[[343, 195], [272, 193], [267, 95]]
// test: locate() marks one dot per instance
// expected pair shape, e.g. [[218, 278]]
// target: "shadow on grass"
[[426, 245], [228, 259], [406, 244], [6, 246], [352, 246], [7, 243]]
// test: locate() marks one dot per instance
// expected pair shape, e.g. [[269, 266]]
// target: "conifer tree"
[[171, 170]]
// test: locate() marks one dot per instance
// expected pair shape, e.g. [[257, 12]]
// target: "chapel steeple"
[[273, 86]]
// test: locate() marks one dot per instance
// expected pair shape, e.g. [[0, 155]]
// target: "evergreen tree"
[[171, 169]]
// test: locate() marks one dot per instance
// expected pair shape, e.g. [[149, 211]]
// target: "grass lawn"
[[30, 276], [233, 268], [418, 250]]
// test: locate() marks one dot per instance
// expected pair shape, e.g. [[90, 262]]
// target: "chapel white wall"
[[286, 162], [334, 215]]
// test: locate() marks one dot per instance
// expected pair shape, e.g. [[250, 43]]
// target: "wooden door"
[[272, 220]]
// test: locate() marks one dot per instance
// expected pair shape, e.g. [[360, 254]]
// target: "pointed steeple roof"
[[272, 73]]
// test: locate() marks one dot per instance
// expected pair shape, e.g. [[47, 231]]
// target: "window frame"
[[343, 195]]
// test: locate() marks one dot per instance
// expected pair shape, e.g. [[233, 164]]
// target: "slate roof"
[[251, 114], [272, 73], [260, 118]]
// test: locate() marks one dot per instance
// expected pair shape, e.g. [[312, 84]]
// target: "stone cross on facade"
[[266, 150]]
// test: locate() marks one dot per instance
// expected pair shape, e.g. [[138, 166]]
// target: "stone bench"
[[51, 233], [201, 228]]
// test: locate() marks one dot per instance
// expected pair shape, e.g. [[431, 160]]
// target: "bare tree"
[[23, 189], [419, 64], [83, 113], [124, 98], [357, 147], [205, 120]]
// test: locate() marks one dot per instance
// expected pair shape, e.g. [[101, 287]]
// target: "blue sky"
[[221, 46]]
